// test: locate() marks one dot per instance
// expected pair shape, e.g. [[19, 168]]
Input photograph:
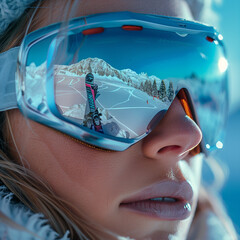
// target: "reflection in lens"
[[116, 102], [118, 85]]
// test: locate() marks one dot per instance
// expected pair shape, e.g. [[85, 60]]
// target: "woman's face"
[[108, 187]]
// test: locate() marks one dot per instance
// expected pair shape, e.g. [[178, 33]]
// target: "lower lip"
[[179, 210]]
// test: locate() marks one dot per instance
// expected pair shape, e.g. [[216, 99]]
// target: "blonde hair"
[[22, 182], [35, 194], [32, 191]]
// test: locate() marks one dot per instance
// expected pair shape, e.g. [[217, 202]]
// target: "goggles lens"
[[116, 81]]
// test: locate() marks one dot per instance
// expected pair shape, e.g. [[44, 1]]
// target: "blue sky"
[[230, 155], [230, 29]]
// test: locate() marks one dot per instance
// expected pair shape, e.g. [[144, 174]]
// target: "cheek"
[[80, 165], [95, 182], [192, 170], [77, 173]]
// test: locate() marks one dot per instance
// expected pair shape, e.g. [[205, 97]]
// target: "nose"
[[174, 136]]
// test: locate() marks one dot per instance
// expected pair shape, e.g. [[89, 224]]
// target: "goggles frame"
[[49, 114]]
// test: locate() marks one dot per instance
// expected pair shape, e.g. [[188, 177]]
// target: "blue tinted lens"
[[115, 82]]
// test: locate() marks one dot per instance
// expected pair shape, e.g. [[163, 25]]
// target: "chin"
[[158, 230]]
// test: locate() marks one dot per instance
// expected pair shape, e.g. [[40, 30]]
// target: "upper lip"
[[182, 191]]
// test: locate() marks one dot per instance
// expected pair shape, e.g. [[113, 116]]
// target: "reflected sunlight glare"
[[219, 145], [223, 64]]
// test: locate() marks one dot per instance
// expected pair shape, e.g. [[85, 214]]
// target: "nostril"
[[172, 148]]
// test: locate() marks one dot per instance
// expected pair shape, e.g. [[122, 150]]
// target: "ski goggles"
[[108, 79]]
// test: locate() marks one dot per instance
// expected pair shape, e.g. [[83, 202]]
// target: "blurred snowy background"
[[229, 26]]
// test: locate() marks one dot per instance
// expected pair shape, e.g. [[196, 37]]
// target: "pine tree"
[[145, 86], [170, 93], [149, 87], [154, 89], [141, 86], [162, 91]]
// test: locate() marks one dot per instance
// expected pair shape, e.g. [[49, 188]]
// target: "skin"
[[96, 182]]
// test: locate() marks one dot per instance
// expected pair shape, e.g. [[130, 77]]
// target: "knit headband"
[[11, 10]]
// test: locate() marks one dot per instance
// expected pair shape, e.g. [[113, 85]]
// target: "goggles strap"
[[8, 67]]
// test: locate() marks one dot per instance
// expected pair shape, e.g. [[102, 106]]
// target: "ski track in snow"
[[131, 94], [133, 97], [79, 92], [105, 86], [118, 121], [116, 90]]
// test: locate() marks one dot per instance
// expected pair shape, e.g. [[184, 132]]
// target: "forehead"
[[55, 11]]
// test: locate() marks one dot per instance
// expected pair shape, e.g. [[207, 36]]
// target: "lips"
[[166, 200]]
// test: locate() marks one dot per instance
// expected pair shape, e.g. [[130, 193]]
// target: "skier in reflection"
[[92, 94]]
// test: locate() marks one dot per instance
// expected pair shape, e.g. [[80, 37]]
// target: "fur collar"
[[21, 215]]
